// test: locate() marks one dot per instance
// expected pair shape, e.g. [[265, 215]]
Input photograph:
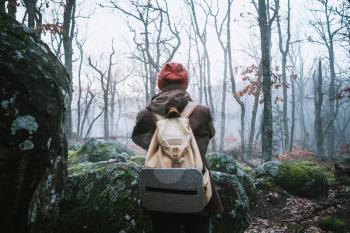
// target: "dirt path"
[[282, 212]]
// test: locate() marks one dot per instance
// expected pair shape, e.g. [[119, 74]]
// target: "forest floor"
[[276, 212]]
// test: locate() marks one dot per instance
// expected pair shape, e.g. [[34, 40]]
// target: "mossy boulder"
[[224, 163], [268, 184], [140, 160], [236, 216], [34, 93], [221, 162], [104, 197], [302, 178], [269, 169], [94, 151], [331, 223]]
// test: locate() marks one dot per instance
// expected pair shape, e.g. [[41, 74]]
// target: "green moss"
[[267, 183], [102, 197], [268, 169], [140, 160], [221, 162], [95, 151], [331, 223], [72, 154], [247, 169], [303, 178]]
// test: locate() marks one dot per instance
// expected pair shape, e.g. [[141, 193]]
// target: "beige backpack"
[[174, 146]]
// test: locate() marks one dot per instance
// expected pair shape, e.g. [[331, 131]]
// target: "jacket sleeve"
[[144, 129], [211, 126]]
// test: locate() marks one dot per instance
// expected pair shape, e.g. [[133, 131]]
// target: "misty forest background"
[[274, 73]]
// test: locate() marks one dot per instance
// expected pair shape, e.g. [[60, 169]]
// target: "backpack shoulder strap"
[[186, 112], [158, 116]]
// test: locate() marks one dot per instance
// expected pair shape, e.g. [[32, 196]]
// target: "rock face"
[[104, 197], [302, 178], [33, 150], [269, 169], [226, 164], [236, 216], [95, 151]]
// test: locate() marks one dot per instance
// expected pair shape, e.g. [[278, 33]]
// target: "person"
[[172, 82]]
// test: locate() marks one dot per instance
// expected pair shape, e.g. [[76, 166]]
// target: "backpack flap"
[[174, 190]]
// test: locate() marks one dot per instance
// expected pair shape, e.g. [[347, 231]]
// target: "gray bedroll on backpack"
[[175, 190]]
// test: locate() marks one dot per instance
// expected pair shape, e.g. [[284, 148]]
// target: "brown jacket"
[[200, 122]]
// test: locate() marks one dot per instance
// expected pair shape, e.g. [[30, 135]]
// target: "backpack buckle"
[[175, 157]]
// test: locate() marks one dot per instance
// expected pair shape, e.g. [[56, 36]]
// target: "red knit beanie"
[[173, 73]]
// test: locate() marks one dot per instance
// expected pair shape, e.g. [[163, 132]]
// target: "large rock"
[[269, 169], [224, 163], [104, 197], [236, 216], [302, 178], [33, 150], [94, 151]]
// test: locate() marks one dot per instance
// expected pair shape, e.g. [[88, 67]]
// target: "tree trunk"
[[12, 8], [86, 111], [267, 131], [293, 116], [318, 106], [285, 101], [301, 96], [223, 105], [67, 37], [79, 109], [208, 66], [284, 49], [254, 112], [105, 115], [31, 10], [331, 96], [2, 6], [233, 81]]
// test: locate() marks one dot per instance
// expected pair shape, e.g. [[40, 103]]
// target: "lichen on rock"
[[103, 197], [94, 151], [26, 122], [225, 163], [270, 168], [302, 178], [31, 79]]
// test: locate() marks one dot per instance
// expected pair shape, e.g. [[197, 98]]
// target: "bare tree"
[[202, 38], [155, 48], [88, 101], [284, 50], [105, 81], [265, 37], [219, 28], [116, 79], [81, 59], [318, 95], [12, 8], [232, 78], [68, 33], [34, 14], [327, 28]]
